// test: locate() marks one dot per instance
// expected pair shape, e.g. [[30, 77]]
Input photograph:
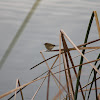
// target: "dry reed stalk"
[[85, 63], [52, 67], [49, 59], [21, 90], [88, 43], [85, 53], [18, 83], [67, 66], [49, 68], [7, 93], [66, 76], [13, 90], [69, 80], [53, 73], [59, 93], [62, 52], [16, 87], [48, 77], [53, 77], [73, 66], [44, 61], [97, 22], [78, 65], [80, 48], [76, 57], [68, 95], [96, 92], [99, 96], [59, 61], [88, 89], [79, 51], [90, 82], [38, 89], [84, 48], [48, 85], [44, 79]]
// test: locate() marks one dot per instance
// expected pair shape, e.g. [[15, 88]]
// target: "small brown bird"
[[49, 46]]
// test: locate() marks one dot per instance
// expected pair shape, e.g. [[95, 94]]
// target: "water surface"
[[44, 26]]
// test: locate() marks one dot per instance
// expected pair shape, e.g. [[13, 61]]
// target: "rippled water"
[[44, 26]]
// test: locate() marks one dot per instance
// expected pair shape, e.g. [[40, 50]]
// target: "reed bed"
[[70, 90]]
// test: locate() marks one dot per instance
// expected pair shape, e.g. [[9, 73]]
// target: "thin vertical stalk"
[[20, 90], [69, 74], [48, 85], [66, 75], [82, 56], [83, 51], [16, 87], [73, 66], [59, 62], [38, 89], [97, 22], [69, 83], [52, 73], [93, 80], [18, 83], [96, 92]]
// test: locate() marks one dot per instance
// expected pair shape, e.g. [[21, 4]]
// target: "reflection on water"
[[44, 25]]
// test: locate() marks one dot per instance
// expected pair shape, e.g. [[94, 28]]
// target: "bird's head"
[[45, 43]]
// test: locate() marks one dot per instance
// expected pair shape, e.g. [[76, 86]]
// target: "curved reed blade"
[[83, 51], [93, 69], [92, 83], [18, 34]]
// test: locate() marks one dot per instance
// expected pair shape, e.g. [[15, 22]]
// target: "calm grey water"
[[44, 26]]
